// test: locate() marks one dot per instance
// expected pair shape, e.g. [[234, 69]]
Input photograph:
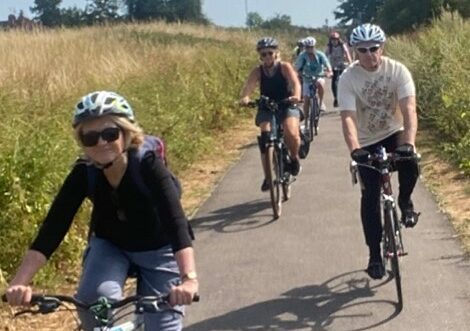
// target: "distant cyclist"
[[338, 54], [299, 48], [378, 108], [312, 62], [277, 80]]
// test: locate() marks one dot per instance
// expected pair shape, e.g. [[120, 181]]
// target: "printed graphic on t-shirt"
[[378, 105]]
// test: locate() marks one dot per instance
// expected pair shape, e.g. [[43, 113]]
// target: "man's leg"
[[370, 217]]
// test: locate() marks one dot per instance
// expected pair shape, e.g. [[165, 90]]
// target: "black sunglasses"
[[91, 138], [264, 54], [371, 49]]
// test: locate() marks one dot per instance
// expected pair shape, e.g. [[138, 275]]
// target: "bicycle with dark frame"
[[392, 241], [277, 158], [312, 118]]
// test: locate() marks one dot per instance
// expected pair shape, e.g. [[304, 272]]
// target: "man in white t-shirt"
[[378, 108]]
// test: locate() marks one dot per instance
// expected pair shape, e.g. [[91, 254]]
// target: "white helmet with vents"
[[367, 32], [310, 42], [101, 103]]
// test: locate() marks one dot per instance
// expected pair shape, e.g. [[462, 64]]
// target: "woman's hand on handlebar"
[[184, 294], [293, 99], [244, 101], [19, 295]]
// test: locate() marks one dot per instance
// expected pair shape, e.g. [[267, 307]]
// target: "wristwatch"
[[192, 275]]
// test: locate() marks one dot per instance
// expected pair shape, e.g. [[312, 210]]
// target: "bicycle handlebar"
[[270, 103], [49, 303], [383, 159]]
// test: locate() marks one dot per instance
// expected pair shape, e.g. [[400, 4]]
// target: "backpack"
[[151, 144]]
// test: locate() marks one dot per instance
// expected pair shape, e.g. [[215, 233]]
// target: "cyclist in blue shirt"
[[312, 62]]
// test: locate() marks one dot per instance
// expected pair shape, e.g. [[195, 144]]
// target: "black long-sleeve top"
[[126, 216]]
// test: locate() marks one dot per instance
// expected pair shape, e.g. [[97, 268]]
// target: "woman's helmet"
[[334, 35], [101, 103], [367, 32], [267, 42], [310, 42]]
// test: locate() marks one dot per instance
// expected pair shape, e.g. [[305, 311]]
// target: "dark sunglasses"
[[264, 54], [371, 49], [91, 138]]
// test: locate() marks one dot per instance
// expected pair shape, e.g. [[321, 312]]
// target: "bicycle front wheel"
[[391, 248], [274, 179]]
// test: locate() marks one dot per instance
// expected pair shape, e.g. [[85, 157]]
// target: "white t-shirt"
[[374, 95]]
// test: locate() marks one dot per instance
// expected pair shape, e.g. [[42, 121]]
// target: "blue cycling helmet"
[[367, 32], [101, 103]]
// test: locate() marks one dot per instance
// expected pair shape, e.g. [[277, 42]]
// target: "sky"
[[309, 13]]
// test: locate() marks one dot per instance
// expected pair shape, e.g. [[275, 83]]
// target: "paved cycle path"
[[304, 271]]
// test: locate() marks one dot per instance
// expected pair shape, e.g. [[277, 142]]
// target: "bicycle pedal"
[[402, 253]]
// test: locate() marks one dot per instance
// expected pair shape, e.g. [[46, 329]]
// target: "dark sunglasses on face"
[[371, 49], [264, 54], [91, 138]]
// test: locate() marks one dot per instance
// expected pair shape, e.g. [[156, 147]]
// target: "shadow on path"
[[341, 303], [236, 218]]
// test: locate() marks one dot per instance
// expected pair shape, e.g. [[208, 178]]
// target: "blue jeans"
[[106, 268]]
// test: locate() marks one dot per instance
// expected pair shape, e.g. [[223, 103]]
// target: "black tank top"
[[275, 87]]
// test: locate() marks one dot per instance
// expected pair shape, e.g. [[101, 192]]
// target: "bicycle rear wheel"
[[315, 111], [274, 179], [392, 253]]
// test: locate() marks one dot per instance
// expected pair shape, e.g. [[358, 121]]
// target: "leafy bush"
[[438, 59]]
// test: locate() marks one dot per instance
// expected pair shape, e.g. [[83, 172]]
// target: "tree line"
[[50, 14], [397, 16]]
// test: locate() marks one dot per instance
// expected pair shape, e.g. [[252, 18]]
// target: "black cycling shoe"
[[375, 269], [295, 167], [410, 218], [265, 186]]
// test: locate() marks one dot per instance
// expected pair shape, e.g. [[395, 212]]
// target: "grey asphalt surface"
[[304, 271]]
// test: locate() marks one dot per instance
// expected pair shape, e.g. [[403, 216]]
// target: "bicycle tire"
[[273, 177], [389, 222], [311, 120], [315, 115]]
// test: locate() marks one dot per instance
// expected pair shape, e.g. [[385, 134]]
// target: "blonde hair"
[[133, 133]]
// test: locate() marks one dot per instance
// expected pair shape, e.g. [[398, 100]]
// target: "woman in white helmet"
[[146, 231], [378, 108], [312, 63]]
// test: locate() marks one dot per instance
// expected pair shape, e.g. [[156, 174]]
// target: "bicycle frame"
[[313, 117]]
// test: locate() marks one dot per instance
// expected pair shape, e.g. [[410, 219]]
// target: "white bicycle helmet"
[[310, 42], [367, 32], [101, 103], [267, 42]]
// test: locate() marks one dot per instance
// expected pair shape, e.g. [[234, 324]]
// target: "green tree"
[[278, 22], [398, 16], [47, 12], [101, 11], [460, 6], [72, 16], [169, 10], [353, 12], [254, 20]]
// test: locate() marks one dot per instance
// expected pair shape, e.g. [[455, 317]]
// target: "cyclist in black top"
[[143, 231], [278, 81]]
